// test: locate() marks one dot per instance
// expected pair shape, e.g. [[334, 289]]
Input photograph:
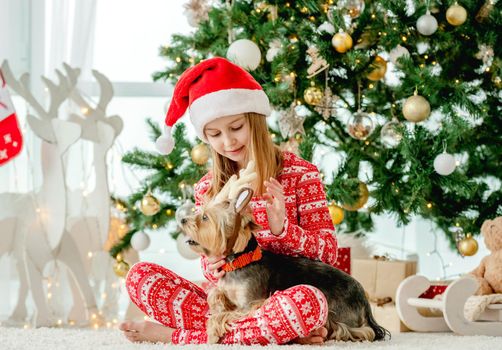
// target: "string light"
[[429, 205]]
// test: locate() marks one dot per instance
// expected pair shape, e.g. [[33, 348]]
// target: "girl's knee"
[[311, 304]]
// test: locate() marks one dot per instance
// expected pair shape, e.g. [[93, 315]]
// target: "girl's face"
[[230, 137]]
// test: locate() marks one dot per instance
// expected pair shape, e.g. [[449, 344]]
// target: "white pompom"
[[445, 164], [165, 144], [140, 241], [244, 53], [184, 249]]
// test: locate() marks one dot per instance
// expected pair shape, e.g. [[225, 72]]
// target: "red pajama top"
[[308, 229]]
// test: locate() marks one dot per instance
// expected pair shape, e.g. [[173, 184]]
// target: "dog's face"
[[212, 226]]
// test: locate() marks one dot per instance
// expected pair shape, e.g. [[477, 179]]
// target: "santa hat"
[[212, 89]]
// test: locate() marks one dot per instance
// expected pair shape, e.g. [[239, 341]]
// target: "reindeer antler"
[[234, 184]]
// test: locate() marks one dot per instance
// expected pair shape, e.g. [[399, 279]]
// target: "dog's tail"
[[369, 331], [380, 332]]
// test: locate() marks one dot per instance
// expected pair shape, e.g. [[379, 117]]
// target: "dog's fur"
[[241, 291]]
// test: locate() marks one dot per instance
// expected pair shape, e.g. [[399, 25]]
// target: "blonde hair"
[[262, 150]]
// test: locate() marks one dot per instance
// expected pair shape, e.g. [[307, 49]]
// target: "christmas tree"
[[407, 93]]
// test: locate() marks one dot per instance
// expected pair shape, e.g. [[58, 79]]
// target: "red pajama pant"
[[182, 305]]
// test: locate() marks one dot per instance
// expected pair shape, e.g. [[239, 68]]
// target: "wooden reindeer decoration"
[[39, 229]]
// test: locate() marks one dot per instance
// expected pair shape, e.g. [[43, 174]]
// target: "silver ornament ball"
[[427, 24], [390, 134], [140, 241], [445, 164], [244, 53]]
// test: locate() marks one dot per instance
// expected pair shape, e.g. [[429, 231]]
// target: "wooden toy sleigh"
[[451, 305]]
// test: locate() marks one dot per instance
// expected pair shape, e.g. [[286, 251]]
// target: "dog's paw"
[[212, 339]]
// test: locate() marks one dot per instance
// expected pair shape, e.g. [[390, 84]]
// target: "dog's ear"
[[243, 198]]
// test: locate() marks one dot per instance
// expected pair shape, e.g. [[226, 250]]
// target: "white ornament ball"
[[397, 52], [184, 249], [427, 24], [445, 164], [244, 53], [140, 241]]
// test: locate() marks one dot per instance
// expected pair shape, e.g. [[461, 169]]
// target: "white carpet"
[[55, 339]]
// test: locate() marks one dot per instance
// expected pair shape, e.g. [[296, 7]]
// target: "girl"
[[228, 109]]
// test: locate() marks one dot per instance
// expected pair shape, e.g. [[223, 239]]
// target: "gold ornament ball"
[[363, 198], [342, 42], [416, 108], [313, 95], [336, 213], [200, 154], [149, 205], [121, 268], [456, 15], [468, 246], [380, 67]]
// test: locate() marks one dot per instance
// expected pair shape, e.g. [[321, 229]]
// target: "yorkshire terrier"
[[224, 227]]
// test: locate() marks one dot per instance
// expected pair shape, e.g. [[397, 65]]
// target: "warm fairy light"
[[406, 211], [49, 295], [162, 251], [371, 86], [397, 190], [154, 226], [272, 136], [178, 59], [487, 69], [94, 316], [457, 163], [26, 326], [434, 63], [108, 324], [169, 212], [457, 224], [429, 205], [84, 110], [38, 210], [89, 255], [404, 38], [60, 322], [373, 16], [49, 284], [103, 295], [115, 321], [426, 57], [71, 322], [95, 326], [366, 142], [457, 81]]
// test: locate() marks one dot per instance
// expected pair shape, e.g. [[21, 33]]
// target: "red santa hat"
[[212, 89]]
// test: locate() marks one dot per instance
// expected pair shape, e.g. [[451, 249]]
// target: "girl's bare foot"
[[317, 336], [146, 331]]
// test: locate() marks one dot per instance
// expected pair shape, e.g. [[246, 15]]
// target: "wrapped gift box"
[[387, 317], [343, 260], [381, 278]]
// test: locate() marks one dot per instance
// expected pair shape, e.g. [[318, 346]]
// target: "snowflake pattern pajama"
[[182, 305]]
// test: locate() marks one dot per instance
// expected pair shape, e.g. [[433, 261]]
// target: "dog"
[[224, 227]]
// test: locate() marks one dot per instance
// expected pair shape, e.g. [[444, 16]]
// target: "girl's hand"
[[214, 265], [276, 206]]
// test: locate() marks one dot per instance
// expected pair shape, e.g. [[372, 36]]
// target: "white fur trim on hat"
[[225, 103]]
